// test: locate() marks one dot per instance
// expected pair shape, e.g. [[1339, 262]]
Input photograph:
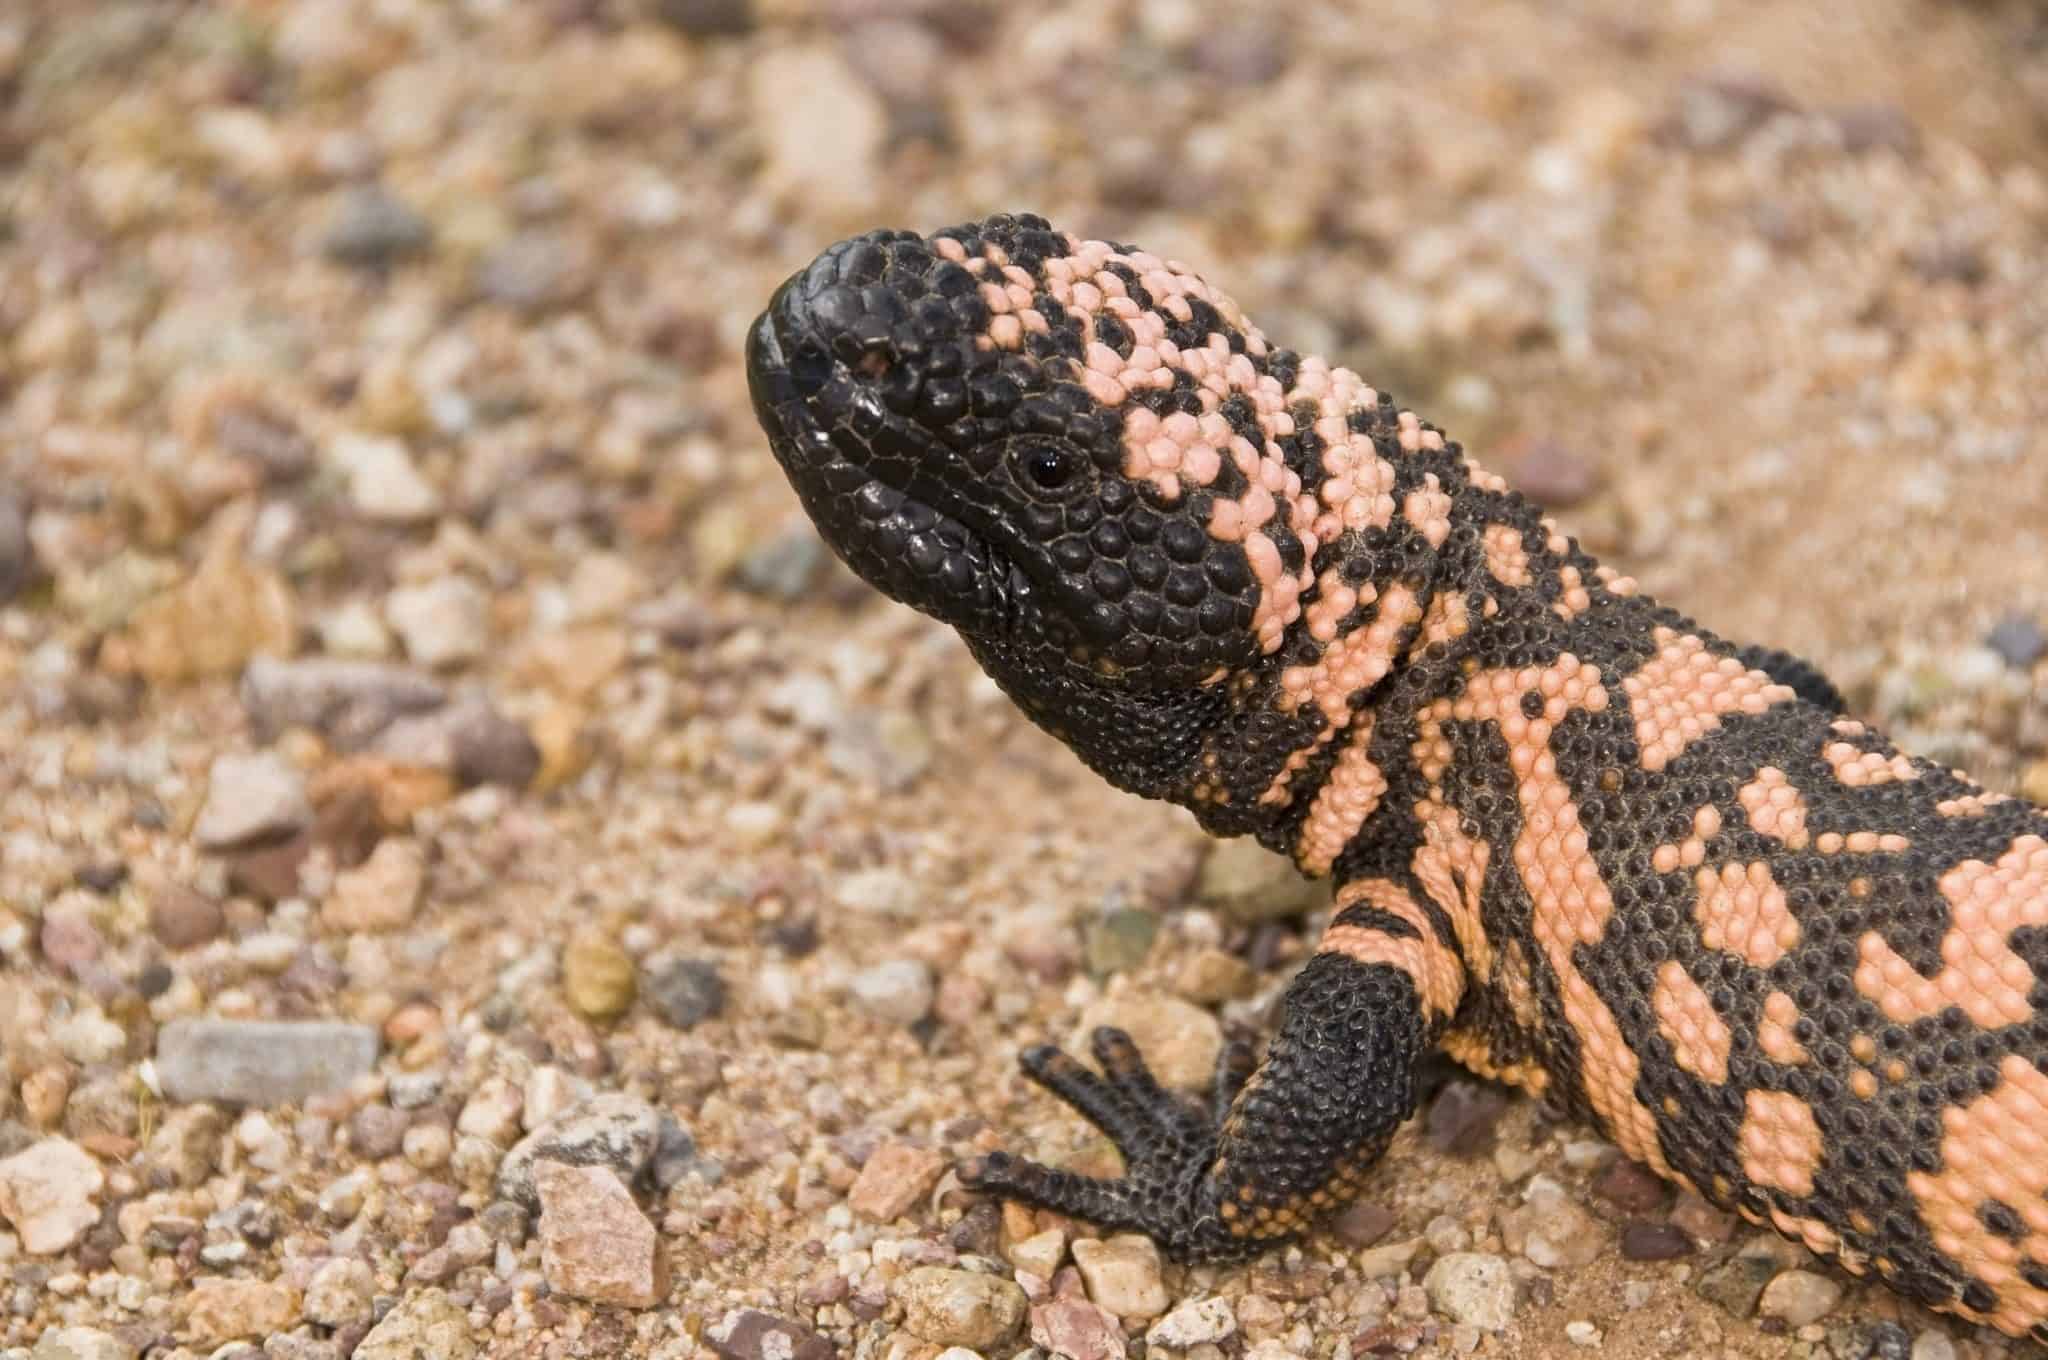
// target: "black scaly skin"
[[984, 485]]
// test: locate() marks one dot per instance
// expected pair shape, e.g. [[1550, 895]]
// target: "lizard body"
[[1580, 842]]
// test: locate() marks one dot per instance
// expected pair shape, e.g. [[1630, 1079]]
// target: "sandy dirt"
[[403, 628]]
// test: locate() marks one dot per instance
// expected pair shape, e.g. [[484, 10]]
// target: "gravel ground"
[[477, 880]]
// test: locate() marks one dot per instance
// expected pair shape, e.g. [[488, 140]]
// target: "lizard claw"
[[1168, 1147]]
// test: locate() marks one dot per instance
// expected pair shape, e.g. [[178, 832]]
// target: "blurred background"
[[407, 332]]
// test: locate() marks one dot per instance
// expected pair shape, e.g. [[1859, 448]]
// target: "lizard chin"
[[891, 538]]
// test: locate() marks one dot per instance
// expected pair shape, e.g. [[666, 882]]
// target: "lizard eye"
[[1049, 466]]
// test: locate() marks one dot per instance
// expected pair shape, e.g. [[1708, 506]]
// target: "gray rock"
[[2016, 638], [686, 992], [707, 18], [890, 751], [412, 1090], [613, 1130], [251, 798], [1933, 1345], [782, 566], [899, 991], [1736, 1285], [377, 1131], [373, 229], [470, 739], [17, 555], [348, 702], [1118, 940], [261, 1062]]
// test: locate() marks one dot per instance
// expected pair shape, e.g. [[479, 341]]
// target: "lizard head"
[[1063, 448]]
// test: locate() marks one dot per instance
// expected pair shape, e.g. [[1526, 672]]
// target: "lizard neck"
[[1418, 555]]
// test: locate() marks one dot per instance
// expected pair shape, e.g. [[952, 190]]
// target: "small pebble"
[[598, 976], [1077, 1329], [184, 918], [1249, 883], [376, 1132], [251, 798], [260, 1062], [424, 1322], [17, 557], [1201, 1322], [898, 991], [781, 567], [1462, 1118], [380, 894], [1933, 1345], [1118, 941], [81, 1343], [1472, 1287], [1179, 1042], [1550, 1230], [49, 1193], [2018, 640], [1360, 1224], [896, 1177], [443, 623], [595, 1243], [373, 229], [1702, 1221], [749, 1334], [1040, 1253], [686, 992], [613, 1130], [341, 1292], [959, 1307], [1122, 1274], [1654, 1242], [1736, 1285], [1212, 976], [214, 1311], [1799, 1297], [1631, 1186]]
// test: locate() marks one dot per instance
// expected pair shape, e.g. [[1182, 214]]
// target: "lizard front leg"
[[1286, 1143]]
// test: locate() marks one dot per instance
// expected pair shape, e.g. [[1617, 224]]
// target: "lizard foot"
[[1169, 1148]]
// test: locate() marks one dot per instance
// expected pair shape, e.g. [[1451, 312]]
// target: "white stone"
[[444, 622], [1193, 1324], [250, 797], [383, 481], [49, 1192]]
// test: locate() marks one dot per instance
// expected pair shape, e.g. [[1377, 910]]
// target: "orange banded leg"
[[1277, 1149]]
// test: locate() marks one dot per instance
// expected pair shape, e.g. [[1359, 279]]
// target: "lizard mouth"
[[866, 478]]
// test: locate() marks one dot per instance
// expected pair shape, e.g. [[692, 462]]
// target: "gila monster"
[[1581, 844]]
